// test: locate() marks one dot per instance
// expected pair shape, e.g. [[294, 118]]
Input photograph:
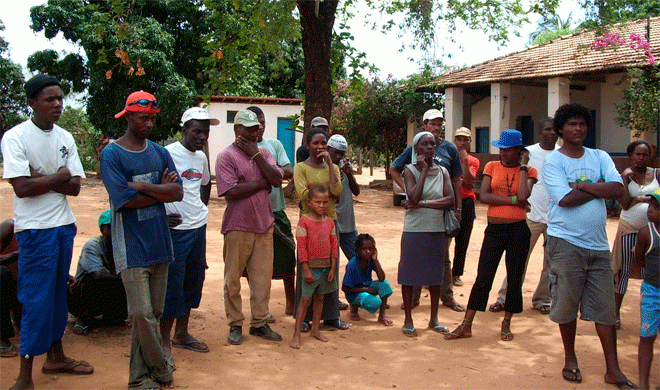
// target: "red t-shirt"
[[473, 164], [317, 242]]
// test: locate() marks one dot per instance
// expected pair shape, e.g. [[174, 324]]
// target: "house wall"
[[222, 135], [616, 138], [529, 101]]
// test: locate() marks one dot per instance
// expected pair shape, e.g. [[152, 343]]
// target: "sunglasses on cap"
[[144, 103]]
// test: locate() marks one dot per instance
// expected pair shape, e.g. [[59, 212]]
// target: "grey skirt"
[[422, 259]]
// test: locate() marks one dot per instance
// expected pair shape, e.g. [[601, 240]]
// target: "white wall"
[[529, 101], [223, 135], [614, 138]]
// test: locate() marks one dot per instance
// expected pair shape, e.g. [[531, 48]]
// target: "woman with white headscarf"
[[429, 191]]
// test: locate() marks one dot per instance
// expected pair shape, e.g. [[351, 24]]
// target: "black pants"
[[462, 239], [8, 303], [514, 239], [89, 298]]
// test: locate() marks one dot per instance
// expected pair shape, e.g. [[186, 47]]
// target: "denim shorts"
[[649, 310], [580, 279]]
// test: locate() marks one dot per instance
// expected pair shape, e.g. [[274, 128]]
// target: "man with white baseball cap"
[[187, 221], [347, 232], [446, 155]]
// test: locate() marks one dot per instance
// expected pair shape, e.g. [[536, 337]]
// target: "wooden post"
[[371, 163]]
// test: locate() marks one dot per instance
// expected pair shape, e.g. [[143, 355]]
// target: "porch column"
[[558, 93], [500, 111], [453, 111]]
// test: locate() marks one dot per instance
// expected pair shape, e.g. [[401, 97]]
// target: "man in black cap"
[[41, 163]]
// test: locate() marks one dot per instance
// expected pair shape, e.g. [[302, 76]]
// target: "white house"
[[516, 91], [278, 125]]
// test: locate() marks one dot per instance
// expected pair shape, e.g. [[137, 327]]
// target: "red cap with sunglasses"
[[140, 101]]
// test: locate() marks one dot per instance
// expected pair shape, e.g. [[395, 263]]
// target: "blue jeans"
[[186, 273], [347, 244], [145, 293]]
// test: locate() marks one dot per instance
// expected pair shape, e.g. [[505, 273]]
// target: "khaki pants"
[[254, 252]]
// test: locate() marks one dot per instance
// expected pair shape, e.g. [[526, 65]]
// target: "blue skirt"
[[422, 259]]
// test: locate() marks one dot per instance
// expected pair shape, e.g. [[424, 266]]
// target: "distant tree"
[[601, 13], [13, 103], [374, 114], [549, 28], [76, 121]]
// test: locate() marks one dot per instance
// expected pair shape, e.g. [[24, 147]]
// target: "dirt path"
[[367, 355]]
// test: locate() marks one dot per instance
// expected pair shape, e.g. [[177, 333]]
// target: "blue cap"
[[508, 139]]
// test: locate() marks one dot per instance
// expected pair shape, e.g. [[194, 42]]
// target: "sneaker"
[[457, 281], [236, 335], [265, 332]]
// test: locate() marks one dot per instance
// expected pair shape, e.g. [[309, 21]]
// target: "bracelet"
[[524, 168], [426, 202], [255, 155], [514, 199]]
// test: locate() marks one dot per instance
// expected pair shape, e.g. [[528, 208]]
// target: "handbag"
[[451, 222]]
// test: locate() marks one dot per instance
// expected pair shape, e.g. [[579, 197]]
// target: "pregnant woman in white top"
[[640, 181]]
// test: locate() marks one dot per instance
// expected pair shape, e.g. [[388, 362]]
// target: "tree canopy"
[[13, 103]]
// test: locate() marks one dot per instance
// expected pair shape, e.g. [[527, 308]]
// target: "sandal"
[[409, 332], [336, 324], [507, 336], [458, 334], [8, 351], [496, 307], [455, 306], [354, 317], [75, 367], [386, 321], [572, 375], [343, 306], [304, 328], [545, 309], [80, 329]]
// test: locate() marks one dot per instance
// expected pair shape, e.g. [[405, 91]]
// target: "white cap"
[[198, 113], [432, 114], [338, 142], [319, 121]]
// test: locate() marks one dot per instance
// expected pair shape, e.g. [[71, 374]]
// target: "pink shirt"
[[251, 214]]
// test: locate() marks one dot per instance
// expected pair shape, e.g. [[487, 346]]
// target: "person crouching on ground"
[[361, 290], [317, 256], [97, 289]]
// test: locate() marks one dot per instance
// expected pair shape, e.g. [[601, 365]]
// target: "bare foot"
[[354, 316], [319, 336], [295, 342], [385, 321], [289, 309], [20, 384]]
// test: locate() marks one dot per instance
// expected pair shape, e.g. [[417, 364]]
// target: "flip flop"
[[439, 328], [336, 324], [455, 306], [572, 375], [505, 336], [305, 327], [625, 384], [409, 332], [496, 307], [8, 351], [71, 367], [189, 345], [545, 309], [80, 329]]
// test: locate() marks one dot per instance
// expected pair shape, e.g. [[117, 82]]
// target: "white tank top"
[[636, 215]]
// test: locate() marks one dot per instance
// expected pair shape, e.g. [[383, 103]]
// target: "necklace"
[[509, 184]]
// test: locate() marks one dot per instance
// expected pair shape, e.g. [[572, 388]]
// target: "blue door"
[[287, 137]]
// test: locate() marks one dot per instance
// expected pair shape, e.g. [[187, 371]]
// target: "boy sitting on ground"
[[361, 290]]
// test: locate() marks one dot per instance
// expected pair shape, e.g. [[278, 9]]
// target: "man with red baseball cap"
[[140, 177]]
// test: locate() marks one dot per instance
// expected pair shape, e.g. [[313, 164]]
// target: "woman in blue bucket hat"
[[505, 187]]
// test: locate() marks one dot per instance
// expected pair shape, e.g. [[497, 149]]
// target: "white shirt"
[[25, 146], [539, 200], [193, 168]]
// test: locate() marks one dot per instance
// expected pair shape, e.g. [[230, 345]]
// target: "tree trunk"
[[316, 41]]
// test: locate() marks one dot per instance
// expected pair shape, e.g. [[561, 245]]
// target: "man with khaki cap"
[[470, 164], [245, 174]]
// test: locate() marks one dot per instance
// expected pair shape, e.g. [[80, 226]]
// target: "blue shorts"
[[43, 271], [371, 303], [649, 310], [186, 273]]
